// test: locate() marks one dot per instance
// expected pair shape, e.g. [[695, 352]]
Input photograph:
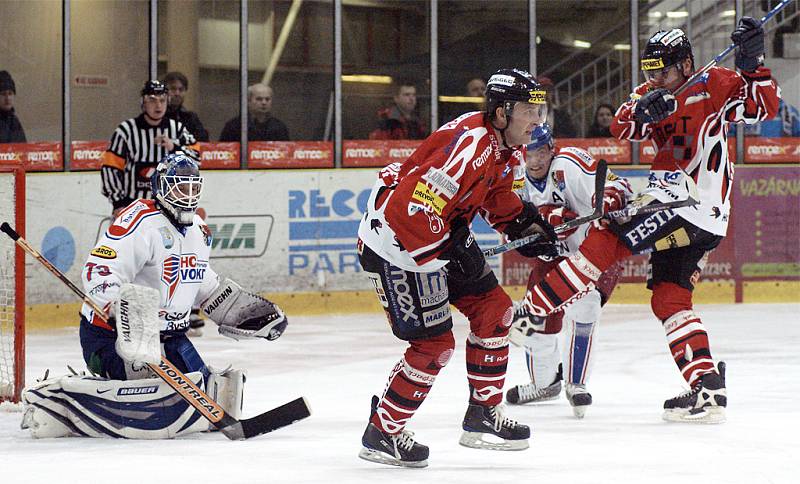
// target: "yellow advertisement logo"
[[537, 97], [423, 194], [104, 252], [518, 184], [651, 64]]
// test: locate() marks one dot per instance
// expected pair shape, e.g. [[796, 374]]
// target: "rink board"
[[291, 234]]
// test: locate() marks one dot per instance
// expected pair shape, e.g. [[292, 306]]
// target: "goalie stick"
[[599, 186], [232, 428], [722, 55]]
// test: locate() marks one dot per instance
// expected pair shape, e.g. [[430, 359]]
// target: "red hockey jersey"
[[695, 137], [458, 171]]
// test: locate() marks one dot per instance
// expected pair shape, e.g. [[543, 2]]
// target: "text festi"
[[323, 227]]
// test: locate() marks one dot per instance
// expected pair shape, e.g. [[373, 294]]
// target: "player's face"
[[176, 92], [155, 106], [186, 193], [670, 77], [537, 162], [524, 120], [6, 100]]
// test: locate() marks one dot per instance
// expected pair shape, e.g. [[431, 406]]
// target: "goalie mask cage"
[[12, 286]]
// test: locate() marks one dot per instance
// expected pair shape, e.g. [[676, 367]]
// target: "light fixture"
[[678, 14], [367, 78], [654, 14], [581, 44], [728, 13], [622, 46], [538, 40], [461, 99]]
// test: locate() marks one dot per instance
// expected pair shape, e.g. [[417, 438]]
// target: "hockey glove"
[[749, 40], [466, 259], [529, 222], [242, 314], [539, 249], [655, 106], [557, 215]]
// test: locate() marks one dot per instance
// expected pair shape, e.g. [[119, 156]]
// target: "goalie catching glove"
[[241, 314]]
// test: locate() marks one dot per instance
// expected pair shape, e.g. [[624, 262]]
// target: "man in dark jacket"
[[177, 85], [10, 128], [261, 125], [400, 121]]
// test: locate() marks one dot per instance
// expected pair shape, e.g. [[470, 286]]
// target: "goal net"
[[12, 286]]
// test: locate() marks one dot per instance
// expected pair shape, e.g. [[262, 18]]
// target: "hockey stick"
[[599, 186], [233, 429], [634, 209], [722, 55]]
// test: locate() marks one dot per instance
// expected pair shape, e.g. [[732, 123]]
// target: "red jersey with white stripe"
[[143, 247], [458, 171], [695, 137]]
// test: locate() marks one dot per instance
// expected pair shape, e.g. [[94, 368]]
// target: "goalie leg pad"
[[227, 389], [242, 314], [96, 407]]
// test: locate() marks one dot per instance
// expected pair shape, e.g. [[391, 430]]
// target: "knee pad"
[[227, 389], [669, 298], [490, 314], [586, 309], [431, 354], [76, 405]]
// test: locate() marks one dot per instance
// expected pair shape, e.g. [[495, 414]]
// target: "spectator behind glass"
[[10, 128], [400, 121], [477, 88], [261, 125], [177, 85], [557, 118], [602, 121]]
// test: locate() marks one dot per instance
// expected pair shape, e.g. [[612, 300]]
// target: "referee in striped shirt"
[[138, 144]]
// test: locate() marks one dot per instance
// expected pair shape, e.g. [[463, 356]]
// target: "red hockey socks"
[[411, 380]]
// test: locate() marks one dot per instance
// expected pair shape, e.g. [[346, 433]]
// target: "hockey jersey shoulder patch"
[[104, 252], [131, 218], [579, 157]]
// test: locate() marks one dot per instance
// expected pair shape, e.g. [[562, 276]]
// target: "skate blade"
[[535, 400], [714, 415], [475, 440], [580, 411], [383, 458]]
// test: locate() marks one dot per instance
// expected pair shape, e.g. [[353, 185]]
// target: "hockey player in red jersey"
[[416, 246], [690, 132]]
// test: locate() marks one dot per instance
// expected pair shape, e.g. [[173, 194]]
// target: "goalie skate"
[[705, 403], [523, 325], [392, 449], [481, 422], [579, 398]]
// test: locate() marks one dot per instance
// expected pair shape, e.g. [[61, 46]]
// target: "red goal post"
[[12, 286]]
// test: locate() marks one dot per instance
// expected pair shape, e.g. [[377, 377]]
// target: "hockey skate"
[[481, 421], [705, 403], [391, 449], [523, 324], [579, 398], [529, 393]]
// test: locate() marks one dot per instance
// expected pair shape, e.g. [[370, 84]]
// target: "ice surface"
[[338, 362]]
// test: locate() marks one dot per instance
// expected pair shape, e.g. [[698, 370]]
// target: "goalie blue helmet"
[[177, 187], [541, 135]]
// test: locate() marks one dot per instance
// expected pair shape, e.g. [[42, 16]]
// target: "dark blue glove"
[[749, 40], [655, 106]]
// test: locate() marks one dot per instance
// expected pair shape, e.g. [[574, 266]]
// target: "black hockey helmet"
[[154, 87], [665, 49], [509, 86]]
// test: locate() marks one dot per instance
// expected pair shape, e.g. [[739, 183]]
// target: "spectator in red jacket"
[[401, 121]]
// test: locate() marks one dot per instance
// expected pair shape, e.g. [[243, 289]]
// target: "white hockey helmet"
[[177, 186]]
